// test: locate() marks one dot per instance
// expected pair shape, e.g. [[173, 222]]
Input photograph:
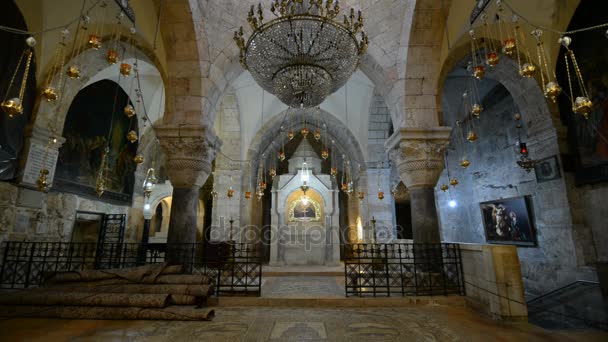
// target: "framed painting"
[[547, 169], [509, 221]]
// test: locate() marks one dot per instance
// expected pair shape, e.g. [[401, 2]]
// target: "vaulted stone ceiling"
[[387, 24]]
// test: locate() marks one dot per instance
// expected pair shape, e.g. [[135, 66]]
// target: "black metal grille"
[[403, 269], [235, 267]]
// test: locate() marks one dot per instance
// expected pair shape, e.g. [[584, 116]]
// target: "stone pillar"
[[190, 151], [418, 155]]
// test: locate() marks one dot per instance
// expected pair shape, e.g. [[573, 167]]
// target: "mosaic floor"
[[420, 323]]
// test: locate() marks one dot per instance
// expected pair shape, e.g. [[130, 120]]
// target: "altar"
[[304, 224]]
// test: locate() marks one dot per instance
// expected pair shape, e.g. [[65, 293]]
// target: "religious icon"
[[547, 169], [507, 221]]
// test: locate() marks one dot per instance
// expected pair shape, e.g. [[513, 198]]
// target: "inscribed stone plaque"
[[35, 160]]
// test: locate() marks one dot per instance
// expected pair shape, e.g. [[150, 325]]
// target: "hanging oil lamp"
[[49, 93], [508, 46], [138, 159], [317, 134], [548, 80], [272, 172], [325, 153], [527, 70], [100, 184], [552, 90], [230, 192], [479, 71], [476, 109], [305, 131], [129, 111], [132, 136], [14, 106], [453, 182], [333, 172], [526, 67], [125, 69], [259, 194], [290, 134], [42, 182], [281, 155], [444, 187], [465, 163], [492, 58], [381, 195], [344, 186], [94, 42], [581, 104], [247, 194], [73, 72], [471, 136], [263, 185], [112, 56], [361, 195], [149, 182], [349, 189]]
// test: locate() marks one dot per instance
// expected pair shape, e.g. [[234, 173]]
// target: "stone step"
[[302, 274], [350, 302], [296, 271]]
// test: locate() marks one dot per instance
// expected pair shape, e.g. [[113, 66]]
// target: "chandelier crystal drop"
[[304, 54]]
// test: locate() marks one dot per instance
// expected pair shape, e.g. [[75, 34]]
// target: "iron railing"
[[235, 267], [387, 269]]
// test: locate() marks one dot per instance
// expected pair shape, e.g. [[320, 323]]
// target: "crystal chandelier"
[[304, 54]]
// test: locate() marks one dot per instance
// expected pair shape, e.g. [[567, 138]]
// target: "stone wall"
[[494, 174], [587, 205], [493, 282], [35, 216]]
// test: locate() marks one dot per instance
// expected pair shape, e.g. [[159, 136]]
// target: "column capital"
[[190, 150], [418, 154]]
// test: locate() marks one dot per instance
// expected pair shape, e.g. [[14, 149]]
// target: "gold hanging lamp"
[[14, 105], [581, 102]]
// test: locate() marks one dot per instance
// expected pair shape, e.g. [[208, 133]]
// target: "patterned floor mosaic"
[[421, 323]]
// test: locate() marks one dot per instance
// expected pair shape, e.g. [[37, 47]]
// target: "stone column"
[[190, 151], [418, 155]]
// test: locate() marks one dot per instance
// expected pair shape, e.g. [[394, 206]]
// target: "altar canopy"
[[304, 223]]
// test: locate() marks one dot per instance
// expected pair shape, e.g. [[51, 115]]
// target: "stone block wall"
[[34, 216], [493, 282], [494, 174]]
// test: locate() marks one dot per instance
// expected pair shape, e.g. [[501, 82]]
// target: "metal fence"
[[235, 267], [403, 269]]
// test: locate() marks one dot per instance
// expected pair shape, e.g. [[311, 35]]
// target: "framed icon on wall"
[[509, 221], [547, 169]]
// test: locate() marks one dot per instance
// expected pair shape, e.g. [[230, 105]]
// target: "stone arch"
[[91, 63], [538, 115], [187, 62], [422, 64], [345, 141]]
